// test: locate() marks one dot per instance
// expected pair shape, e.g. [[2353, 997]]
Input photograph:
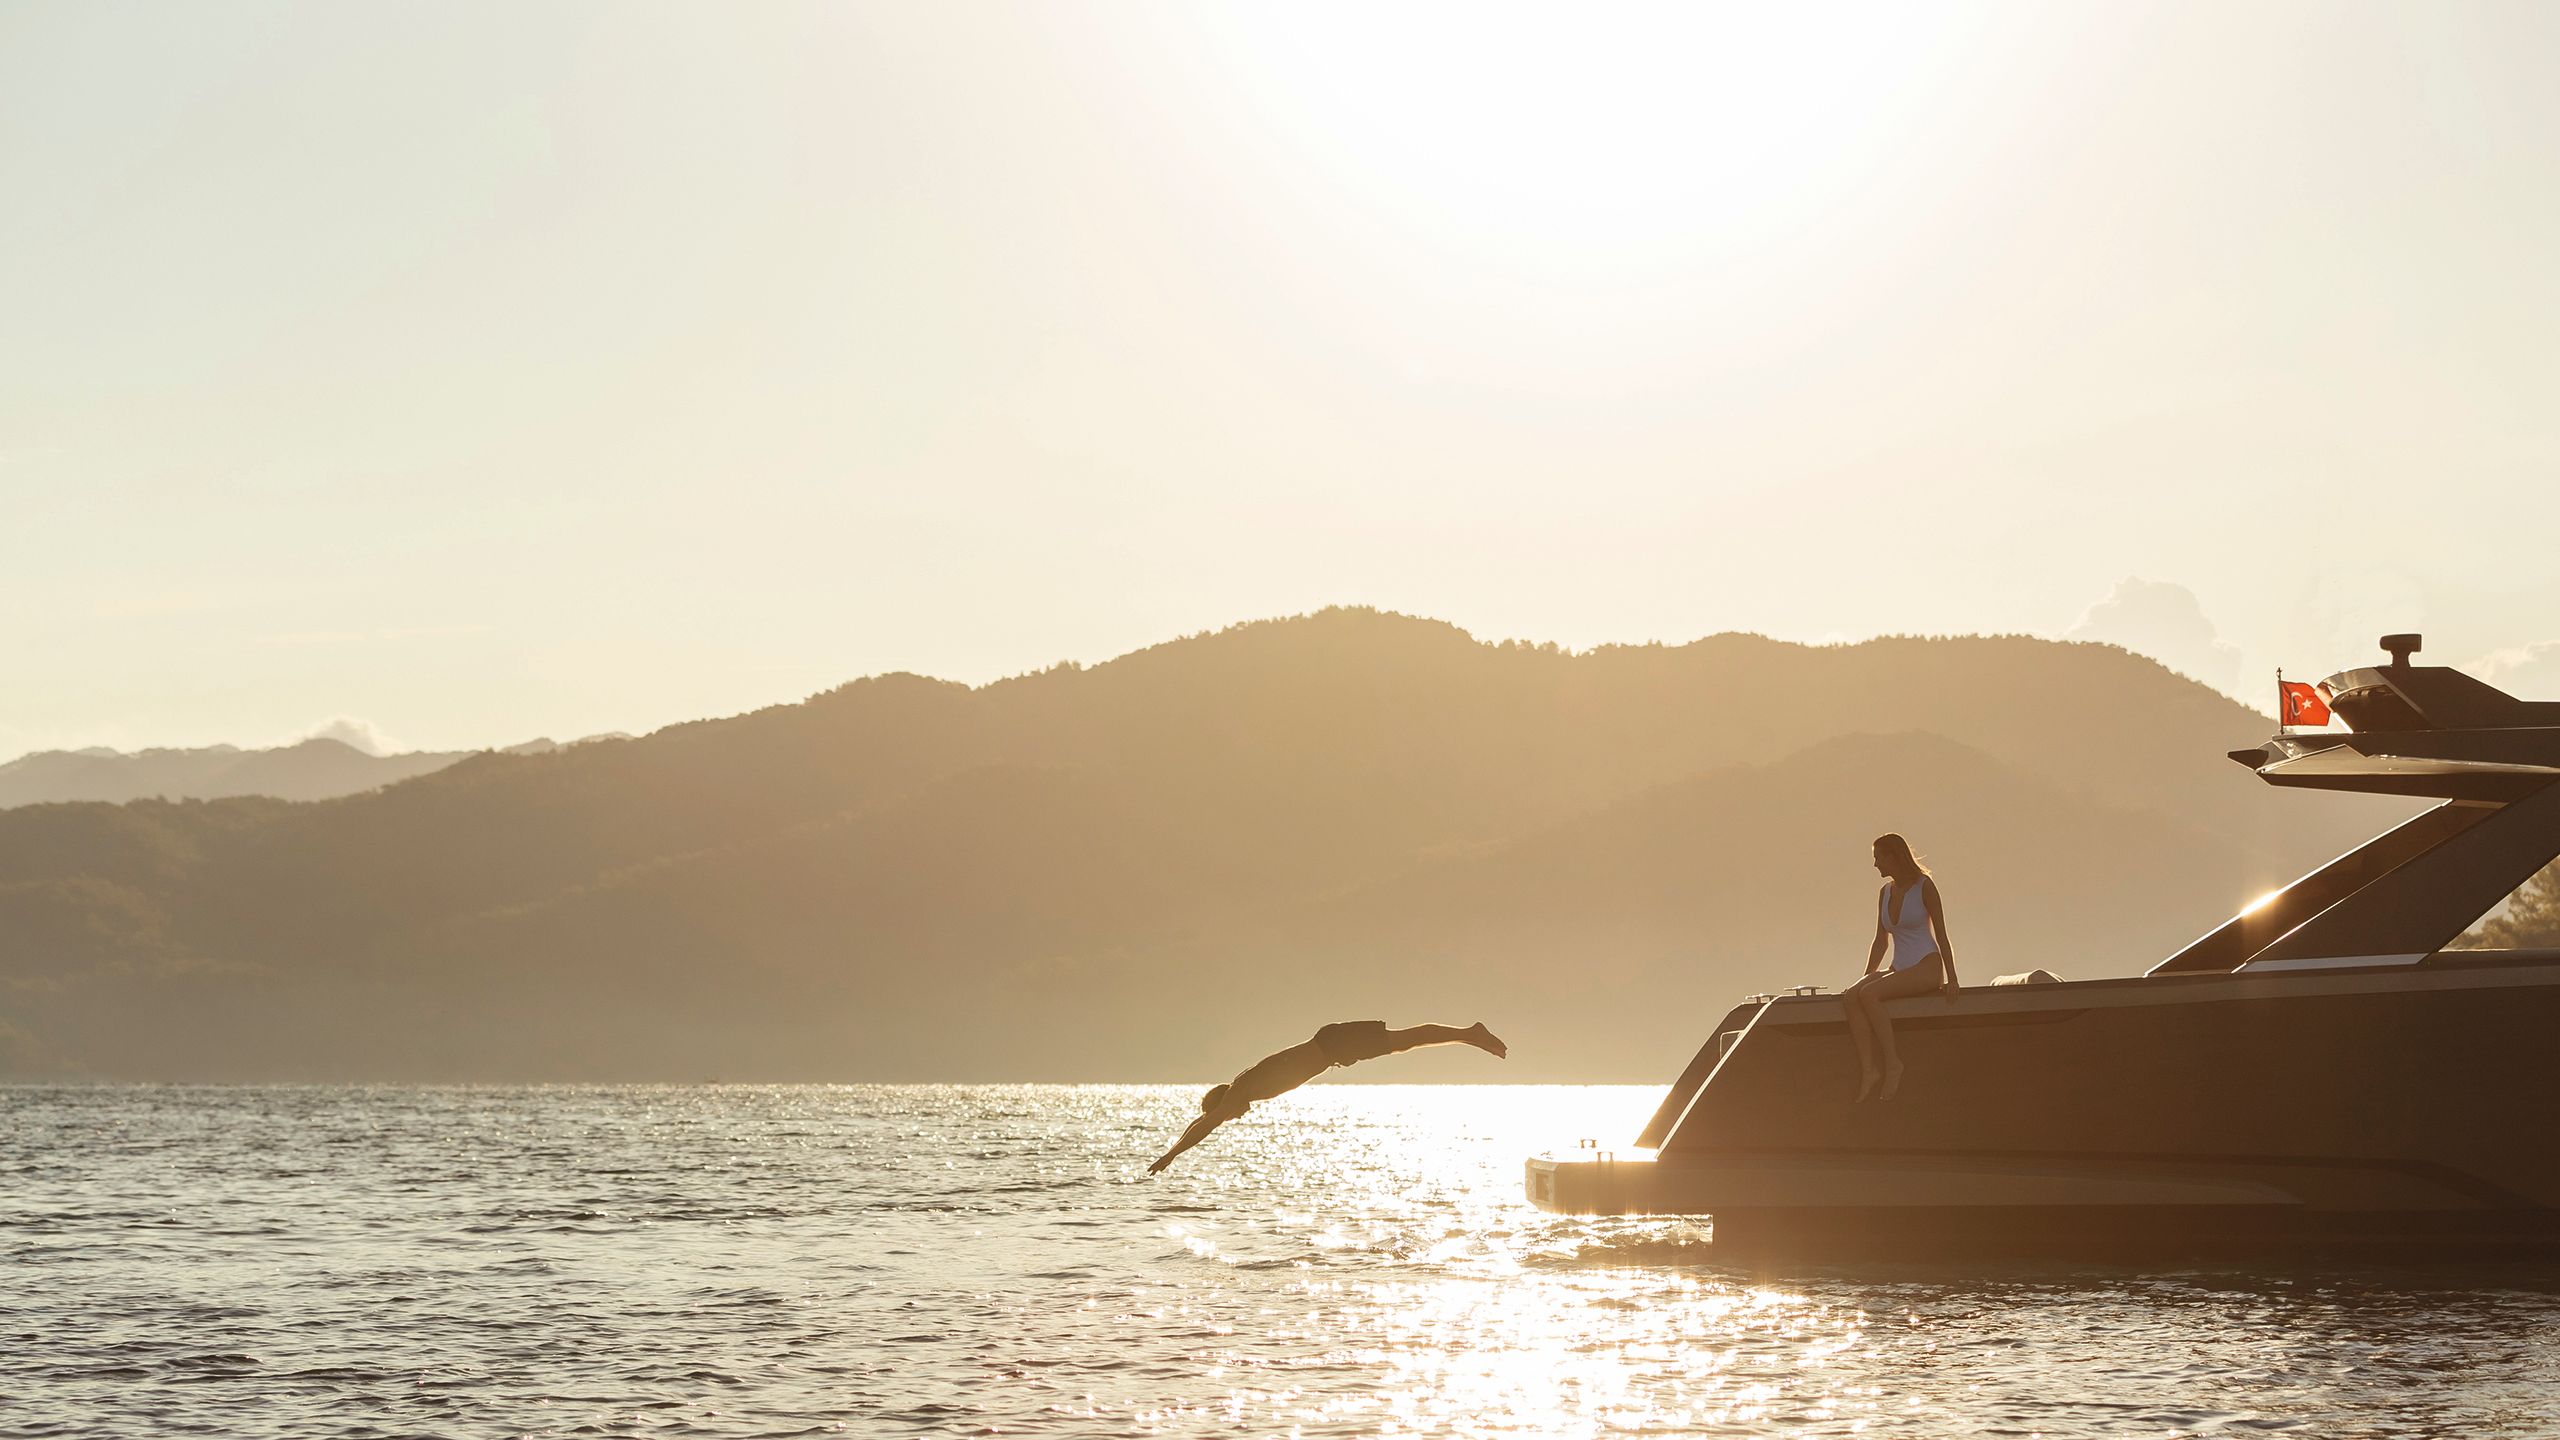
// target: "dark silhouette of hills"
[[1158, 867]]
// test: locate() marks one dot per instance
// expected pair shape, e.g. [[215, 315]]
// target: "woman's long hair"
[[1897, 855]]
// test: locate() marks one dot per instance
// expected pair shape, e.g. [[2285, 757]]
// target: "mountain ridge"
[[908, 878], [318, 768]]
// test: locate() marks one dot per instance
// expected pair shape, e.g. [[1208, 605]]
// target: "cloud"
[[2528, 672], [348, 730], [2349, 612], [2163, 621]]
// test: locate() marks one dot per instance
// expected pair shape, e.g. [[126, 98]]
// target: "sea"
[[994, 1260]]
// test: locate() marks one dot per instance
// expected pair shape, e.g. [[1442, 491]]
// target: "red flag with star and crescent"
[[2299, 703]]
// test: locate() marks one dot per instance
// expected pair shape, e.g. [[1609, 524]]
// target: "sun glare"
[[1614, 135]]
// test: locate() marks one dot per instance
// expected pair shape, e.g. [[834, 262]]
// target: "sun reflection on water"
[[1377, 1271], [1424, 1296]]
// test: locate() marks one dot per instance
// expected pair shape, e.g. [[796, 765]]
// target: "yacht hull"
[[2356, 1107]]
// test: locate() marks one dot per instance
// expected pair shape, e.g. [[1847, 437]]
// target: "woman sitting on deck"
[[1912, 920]]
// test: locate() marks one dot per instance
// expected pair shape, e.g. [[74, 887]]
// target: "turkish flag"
[[2298, 703]]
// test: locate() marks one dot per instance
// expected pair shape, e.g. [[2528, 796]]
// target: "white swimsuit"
[[1912, 942]]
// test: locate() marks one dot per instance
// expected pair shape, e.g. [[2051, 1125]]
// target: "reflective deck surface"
[[1351, 1260]]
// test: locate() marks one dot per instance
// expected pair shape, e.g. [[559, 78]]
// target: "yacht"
[[2317, 1071]]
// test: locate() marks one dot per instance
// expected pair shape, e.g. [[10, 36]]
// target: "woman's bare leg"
[[1920, 979], [1888, 1060], [1870, 1069]]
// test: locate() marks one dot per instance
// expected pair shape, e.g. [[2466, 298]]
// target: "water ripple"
[[944, 1260]]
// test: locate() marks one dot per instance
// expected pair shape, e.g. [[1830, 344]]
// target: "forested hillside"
[[1156, 867]]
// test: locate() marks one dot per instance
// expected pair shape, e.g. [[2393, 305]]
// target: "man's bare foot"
[[1488, 1042], [1892, 1081], [1867, 1090]]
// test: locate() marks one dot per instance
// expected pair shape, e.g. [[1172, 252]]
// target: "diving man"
[[1346, 1043]]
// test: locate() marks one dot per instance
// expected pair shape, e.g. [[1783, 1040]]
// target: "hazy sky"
[[486, 371]]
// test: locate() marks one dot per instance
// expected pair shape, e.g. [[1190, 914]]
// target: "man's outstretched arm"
[[1198, 1132]]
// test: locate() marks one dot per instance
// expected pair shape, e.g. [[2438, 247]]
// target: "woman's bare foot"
[[1867, 1091], [1892, 1081], [1488, 1042]]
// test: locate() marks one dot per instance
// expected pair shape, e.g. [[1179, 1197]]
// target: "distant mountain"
[[544, 744], [318, 769], [1158, 867], [312, 770]]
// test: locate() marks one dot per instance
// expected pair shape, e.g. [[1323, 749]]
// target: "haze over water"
[[962, 1260]]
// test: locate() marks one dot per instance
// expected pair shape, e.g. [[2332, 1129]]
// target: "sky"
[[453, 374]]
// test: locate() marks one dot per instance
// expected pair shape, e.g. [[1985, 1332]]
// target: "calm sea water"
[[735, 1261]]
